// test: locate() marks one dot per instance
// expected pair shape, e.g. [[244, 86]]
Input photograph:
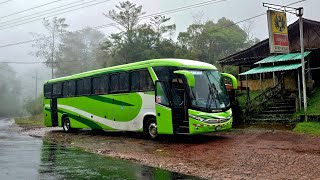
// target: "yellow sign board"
[[278, 32]]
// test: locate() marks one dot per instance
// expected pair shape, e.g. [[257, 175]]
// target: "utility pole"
[[298, 12], [36, 88], [304, 86]]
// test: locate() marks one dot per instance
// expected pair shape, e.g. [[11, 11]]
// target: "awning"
[[259, 70], [282, 57]]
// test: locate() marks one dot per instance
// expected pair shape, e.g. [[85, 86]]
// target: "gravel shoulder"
[[248, 153]]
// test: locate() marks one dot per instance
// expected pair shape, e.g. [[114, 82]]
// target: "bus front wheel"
[[66, 124], [150, 129]]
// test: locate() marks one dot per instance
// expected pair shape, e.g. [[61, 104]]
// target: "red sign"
[[280, 40]]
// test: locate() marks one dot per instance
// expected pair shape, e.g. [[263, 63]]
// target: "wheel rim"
[[153, 130], [66, 125]]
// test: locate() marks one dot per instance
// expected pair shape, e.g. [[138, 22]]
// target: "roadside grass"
[[32, 121], [313, 104], [243, 97], [311, 128]]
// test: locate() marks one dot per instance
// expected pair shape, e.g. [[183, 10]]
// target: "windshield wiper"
[[208, 103], [213, 91]]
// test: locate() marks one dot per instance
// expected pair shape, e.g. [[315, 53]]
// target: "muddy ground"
[[248, 153]]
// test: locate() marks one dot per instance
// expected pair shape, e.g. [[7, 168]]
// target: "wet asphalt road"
[[25, 157]]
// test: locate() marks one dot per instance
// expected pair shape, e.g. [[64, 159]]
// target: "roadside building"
[[258, 69]]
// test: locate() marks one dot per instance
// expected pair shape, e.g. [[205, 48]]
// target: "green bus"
[[161, 96]]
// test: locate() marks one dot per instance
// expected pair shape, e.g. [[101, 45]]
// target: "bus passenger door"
[[179, 107], [54, 112], [163, 110]]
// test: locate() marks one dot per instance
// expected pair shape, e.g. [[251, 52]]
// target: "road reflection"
[[59, 162], [24, 157]]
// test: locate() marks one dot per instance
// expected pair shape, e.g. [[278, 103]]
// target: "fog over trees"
[[139, 37]]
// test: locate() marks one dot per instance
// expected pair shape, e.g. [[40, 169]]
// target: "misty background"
[[18, 83]]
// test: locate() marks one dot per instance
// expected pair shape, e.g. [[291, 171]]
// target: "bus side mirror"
[[189, 76], [233, 79]]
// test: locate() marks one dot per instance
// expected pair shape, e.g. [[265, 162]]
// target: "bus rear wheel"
[[66, 124], [150, 129]]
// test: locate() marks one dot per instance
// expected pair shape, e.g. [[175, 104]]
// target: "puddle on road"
[[25, 157], [59, 162]]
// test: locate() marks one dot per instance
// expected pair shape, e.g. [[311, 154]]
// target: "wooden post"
[[260, 81]]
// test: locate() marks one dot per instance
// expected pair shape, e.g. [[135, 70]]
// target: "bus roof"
[[184, 63]]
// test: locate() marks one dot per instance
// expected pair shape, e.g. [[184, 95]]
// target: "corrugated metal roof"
[[283, 57], [259, 70]]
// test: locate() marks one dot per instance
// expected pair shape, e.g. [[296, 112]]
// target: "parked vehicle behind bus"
[[162, 96]]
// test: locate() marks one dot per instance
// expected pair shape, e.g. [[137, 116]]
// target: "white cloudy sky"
[[235, 10]]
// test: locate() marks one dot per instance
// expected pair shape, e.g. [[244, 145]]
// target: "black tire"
[[150, 128], [66, 125]]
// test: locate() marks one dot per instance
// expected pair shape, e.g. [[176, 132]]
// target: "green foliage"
[[313, 104], [138, 41], [242, 98], [33, 106], [312, 128], [231, 70], [9, 91], [211, 41], [79, 51]]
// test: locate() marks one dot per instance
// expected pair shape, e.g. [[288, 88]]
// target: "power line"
[[57, 13], [24, 18], [112, 24], [29, 9], [183, 8], [144, 17], [34, 40], [3, 2]]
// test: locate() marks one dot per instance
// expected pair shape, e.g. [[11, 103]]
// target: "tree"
[[127, 16], [137, 41], [46, 46], [211, 41], [9, 91], [79, 51], [159, 27], [33, 106]]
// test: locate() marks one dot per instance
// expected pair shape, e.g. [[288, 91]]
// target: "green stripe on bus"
[[82, 120], [109, 100]]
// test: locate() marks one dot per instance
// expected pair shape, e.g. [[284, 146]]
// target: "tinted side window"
[[114, 82], [72, 88], [104, 84], [47, 90], [165, 73], [124, 82], [96, 85], [146, 83], [65, 90], [80, 87], [86, 86], [57, 89], [100, 85], [135, 81]]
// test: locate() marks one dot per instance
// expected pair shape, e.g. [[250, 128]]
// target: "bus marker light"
[[218, 128]]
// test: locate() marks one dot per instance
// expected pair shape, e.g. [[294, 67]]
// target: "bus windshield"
[[209, 92]]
